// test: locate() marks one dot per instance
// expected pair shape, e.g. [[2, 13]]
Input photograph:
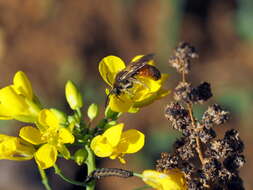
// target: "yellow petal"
[[109, 67], [31, 135], [13, 148], [100, 147], [47, 118], [137, 57], [120, 103], [46, 156], [11, 103], [171, 180], [65, 136], [131, 141], [158, 92], [113, 134], [8, 146], [22, 85]]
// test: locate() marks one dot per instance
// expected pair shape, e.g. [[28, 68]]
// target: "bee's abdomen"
[[150, 71]]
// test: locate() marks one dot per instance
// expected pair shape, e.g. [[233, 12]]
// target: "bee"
[[126, 78]]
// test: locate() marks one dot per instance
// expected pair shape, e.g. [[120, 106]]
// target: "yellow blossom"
[[115, 143], [51, 135], [17, 101], [168, 180], [141, 94], [14, 148]]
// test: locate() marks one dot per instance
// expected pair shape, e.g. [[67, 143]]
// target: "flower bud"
[[80, 156], [73, 96], [92, 111]]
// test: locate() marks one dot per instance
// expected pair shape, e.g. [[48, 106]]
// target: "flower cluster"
[[44, 138], [207, 162], [199, 161], [49, 132]]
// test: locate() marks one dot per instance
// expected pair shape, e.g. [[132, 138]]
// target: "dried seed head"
[[211, 168], [234, 142], [195, 185], [206, 134], [179, 117], [235, 183], [215, 115], [167, 162], [182, 92], [201, 93], [181, 59], [175, 111], [218, 149], [234, 162], [185, 148]]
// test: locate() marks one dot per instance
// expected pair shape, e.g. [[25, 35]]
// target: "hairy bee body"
[[126, 78], [150, 71]]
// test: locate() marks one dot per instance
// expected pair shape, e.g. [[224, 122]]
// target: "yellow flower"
[[141, 94], [115, 143], [14, 148], [51, 135], [17, 101], [169, 180]]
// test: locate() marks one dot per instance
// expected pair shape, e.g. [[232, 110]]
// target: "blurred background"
[[56, 40]]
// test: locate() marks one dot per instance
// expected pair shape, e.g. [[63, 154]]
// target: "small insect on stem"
[[126, 78], [107, 172]]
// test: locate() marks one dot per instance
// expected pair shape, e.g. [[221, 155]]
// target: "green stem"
[[143, 187], [138, 175], [90, 162], [44, 179], [59, 172], [79, 113]]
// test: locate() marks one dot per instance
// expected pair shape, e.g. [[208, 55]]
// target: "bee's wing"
[[135, 66]]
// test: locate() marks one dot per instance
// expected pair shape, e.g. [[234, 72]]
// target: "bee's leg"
[[136, 81], [119, 98]]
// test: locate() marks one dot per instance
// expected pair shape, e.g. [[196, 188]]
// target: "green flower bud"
[[80, 156], [92, 111], [73, 96]]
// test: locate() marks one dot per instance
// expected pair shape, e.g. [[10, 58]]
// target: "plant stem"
[[90, 162], [44, 179], [143, 187], [59, 172], [198, 148]]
